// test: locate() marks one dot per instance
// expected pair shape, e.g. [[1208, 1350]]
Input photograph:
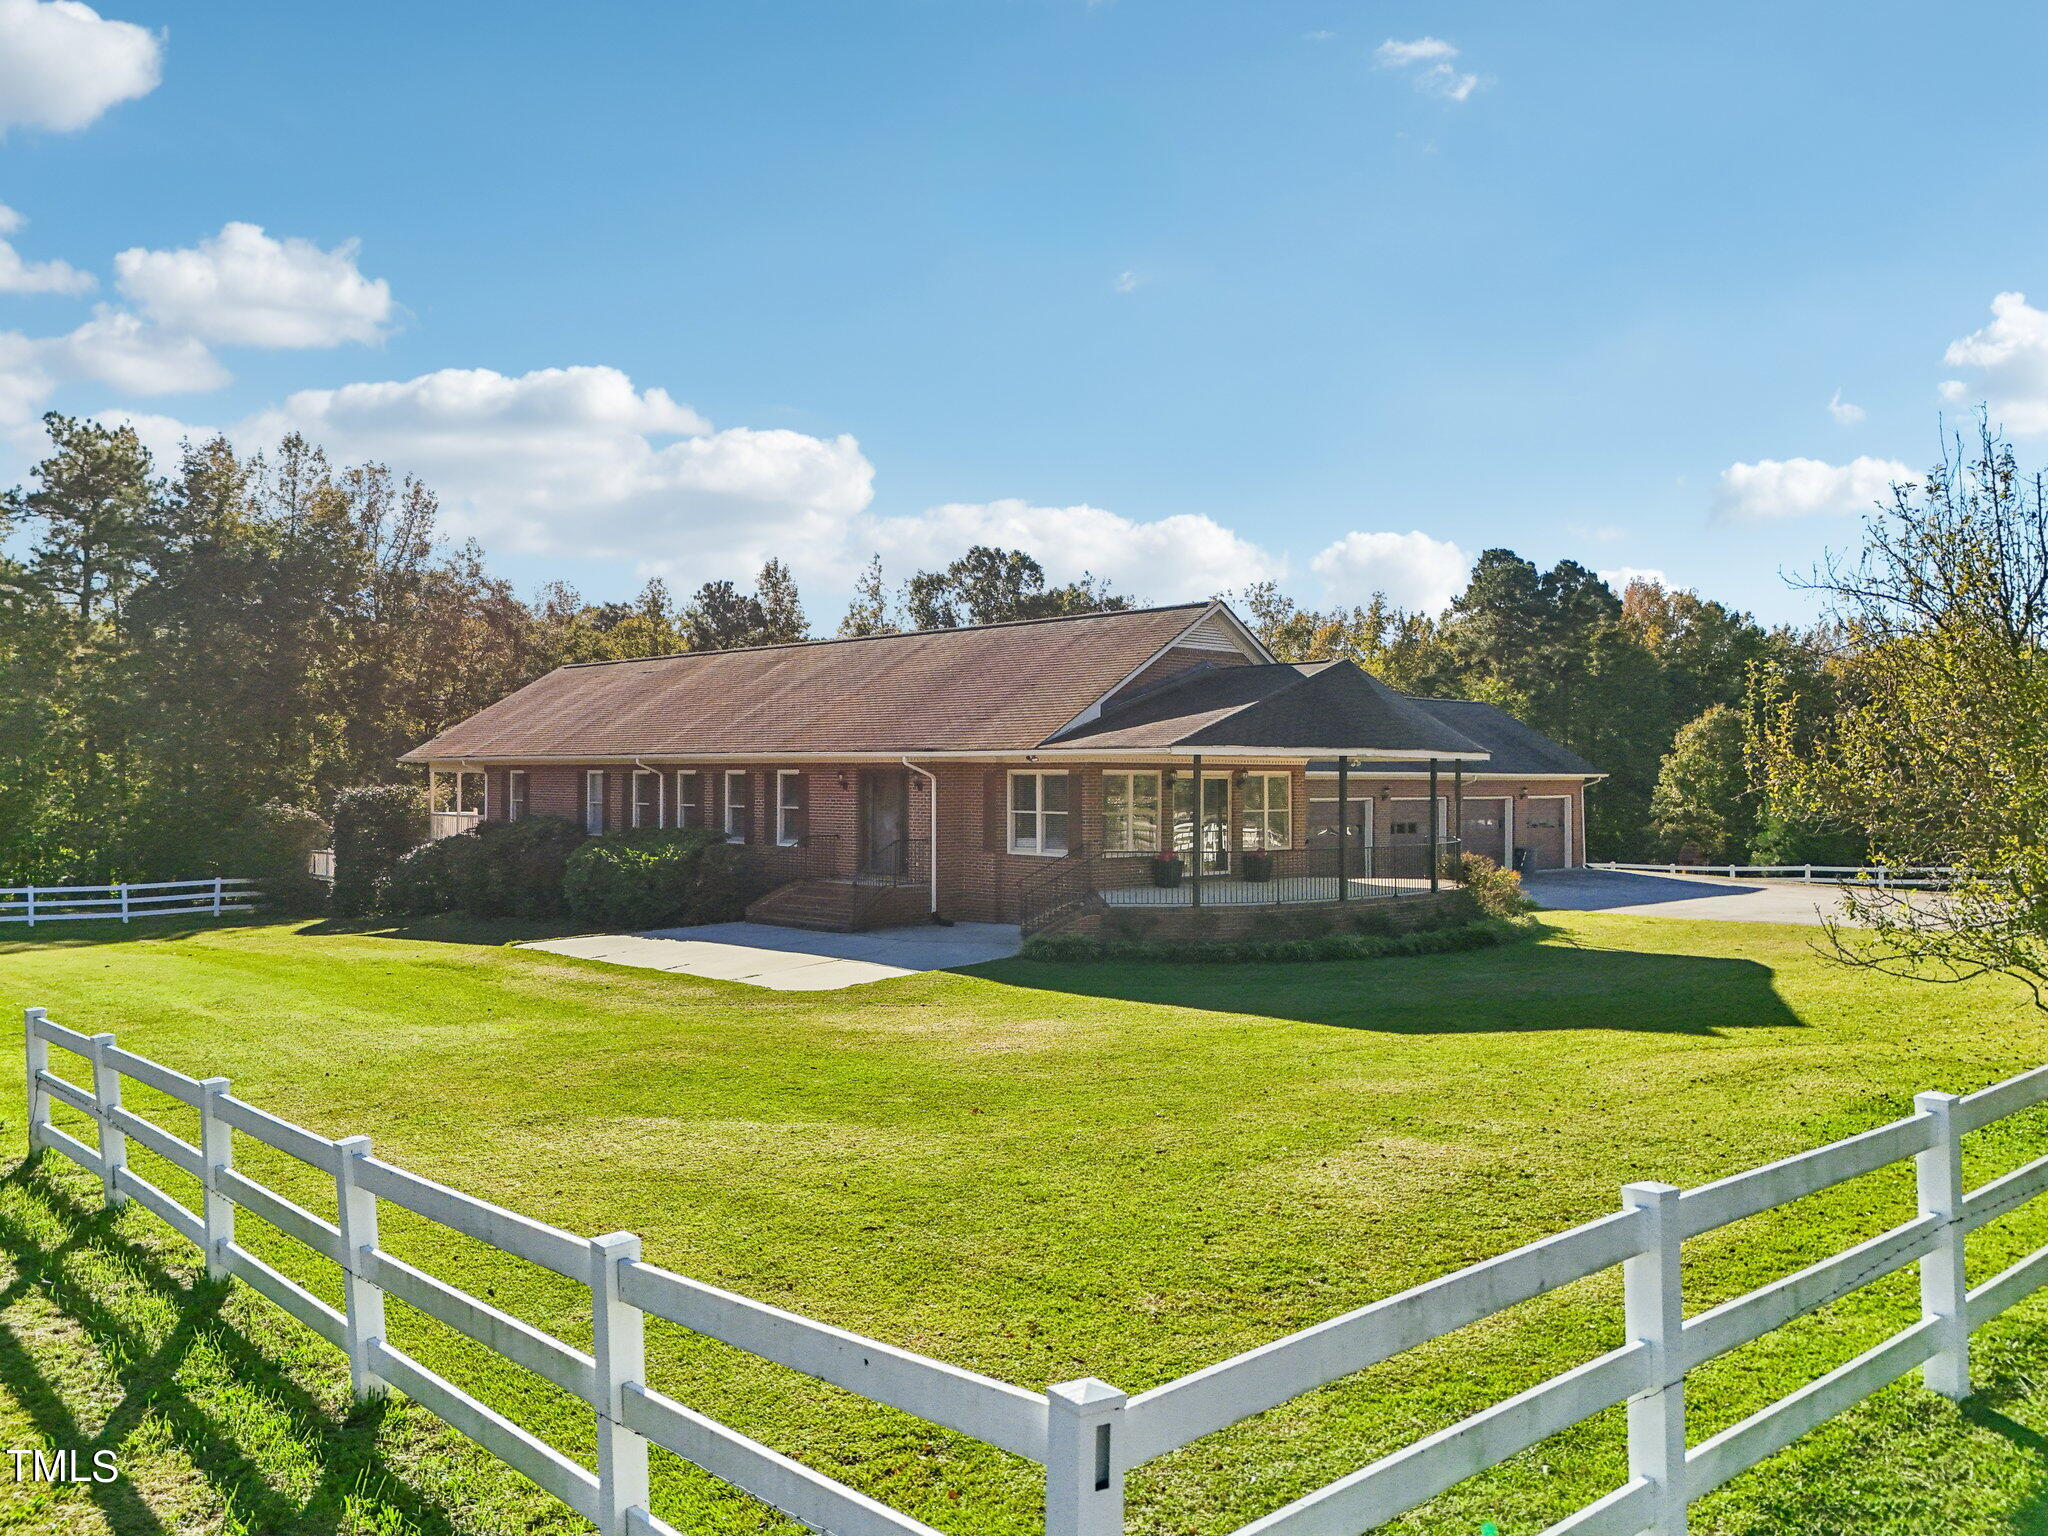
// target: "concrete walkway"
[[794, 959], [1690, 896]]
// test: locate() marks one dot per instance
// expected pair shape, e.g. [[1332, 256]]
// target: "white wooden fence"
[[1087, 1434], [34, 904], [1917, 875]]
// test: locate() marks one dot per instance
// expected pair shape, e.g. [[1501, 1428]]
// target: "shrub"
[[374, 825], [1376, 921], [511, 868], [1495, 892], [420, 883], [655, 879], [1479, 934], [274, 843]]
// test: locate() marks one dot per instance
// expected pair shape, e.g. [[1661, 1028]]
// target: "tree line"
[[253, 628]]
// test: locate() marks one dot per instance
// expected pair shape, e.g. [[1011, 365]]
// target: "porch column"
[[1435, 874], [1195, 815], [1458, 804], [1343, 827]]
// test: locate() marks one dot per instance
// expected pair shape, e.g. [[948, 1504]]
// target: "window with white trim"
[[515, 794], [736, 805], [646, 798], [686, 798], [1038, 813], [1130, 812], [1266, 803], [593, 801], [789, 806]]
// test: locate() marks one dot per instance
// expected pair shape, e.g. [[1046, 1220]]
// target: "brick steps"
[[837, 906]]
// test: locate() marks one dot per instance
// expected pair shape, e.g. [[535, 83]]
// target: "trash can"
[[1522, 861]]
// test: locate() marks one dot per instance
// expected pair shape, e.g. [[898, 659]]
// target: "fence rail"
[[1087, 1434], [33, 904], [1906, 877]]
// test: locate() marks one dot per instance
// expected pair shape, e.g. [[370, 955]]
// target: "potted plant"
[[1167, 869], [1258, 867]]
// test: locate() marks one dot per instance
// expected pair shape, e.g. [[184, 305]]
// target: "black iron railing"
[[1253, 878]]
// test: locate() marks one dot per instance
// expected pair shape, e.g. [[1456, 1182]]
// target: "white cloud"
[[1320, 35], [1394, 54], [1412, 569], [2010, 356], [244, 288], [62, 64], [1845, 413], [1167, 559], [163, 436], [577, 461], [1128, 282], [117, 348], [20, 276], [1620, 579], [1437, 76], [1772, 488]]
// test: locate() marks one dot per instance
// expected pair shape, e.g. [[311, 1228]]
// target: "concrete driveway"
[[1707, 896], [794, 959]]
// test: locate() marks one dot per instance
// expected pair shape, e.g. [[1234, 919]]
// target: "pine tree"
[[868, 613], [782, 611]]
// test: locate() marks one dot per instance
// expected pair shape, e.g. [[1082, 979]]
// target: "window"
[[1130, 812], [1405, 828], [1038, 813], [646, 798], [789, 807], [593, 801], [515, 794], [1268, 822], [736, 805], [686, 799]]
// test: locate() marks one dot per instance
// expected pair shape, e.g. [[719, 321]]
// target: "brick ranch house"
[[1023, 772]]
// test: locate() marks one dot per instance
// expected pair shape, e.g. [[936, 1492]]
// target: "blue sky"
[[1185, 293]]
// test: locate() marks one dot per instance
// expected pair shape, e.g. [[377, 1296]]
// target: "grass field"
[[1039, 1172]]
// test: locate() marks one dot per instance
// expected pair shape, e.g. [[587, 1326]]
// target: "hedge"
[[374, 826], [1480, 933], [655, 879]]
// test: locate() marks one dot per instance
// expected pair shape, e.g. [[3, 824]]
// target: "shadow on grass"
[[21, 940], [448, 928], [1519, 987], [2031, 1518], [145, 1364]]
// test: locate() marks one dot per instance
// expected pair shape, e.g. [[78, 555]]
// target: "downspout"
[[932, 853]]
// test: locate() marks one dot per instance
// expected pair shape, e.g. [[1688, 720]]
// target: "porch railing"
[[450, 823], [1255, 878], [814, 856]]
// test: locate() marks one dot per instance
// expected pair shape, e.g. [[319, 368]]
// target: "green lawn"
[[1036, 1171]]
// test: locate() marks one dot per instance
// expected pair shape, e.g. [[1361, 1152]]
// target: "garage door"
[[1484, 828], [1539, 827]]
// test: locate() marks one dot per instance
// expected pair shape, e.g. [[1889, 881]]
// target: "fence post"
[[31, 906], [355, 1211], [1654, 1303], [1084, 1475], [1944, 1277], [619, 1346], [216, 895], [36, 1051], [216, 1152], [106, 1092]]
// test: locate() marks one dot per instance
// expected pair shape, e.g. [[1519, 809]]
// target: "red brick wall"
[[976, 883]]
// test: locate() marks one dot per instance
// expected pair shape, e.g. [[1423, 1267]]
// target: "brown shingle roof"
[[1305, 706], [998, 687]]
